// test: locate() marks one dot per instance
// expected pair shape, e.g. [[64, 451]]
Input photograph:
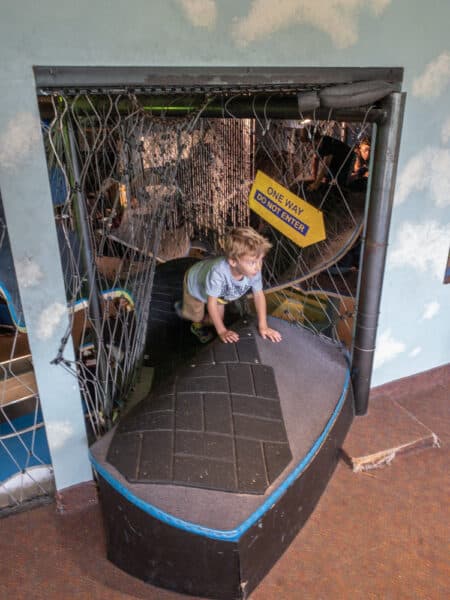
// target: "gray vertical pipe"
[[87, 254], [94, 306], [375, 246]]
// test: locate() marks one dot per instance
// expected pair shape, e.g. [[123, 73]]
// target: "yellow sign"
[[293, 217]]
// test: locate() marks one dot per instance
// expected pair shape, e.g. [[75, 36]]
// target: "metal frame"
[[162, 79], [94, 301], [384, 170], [195, 82]]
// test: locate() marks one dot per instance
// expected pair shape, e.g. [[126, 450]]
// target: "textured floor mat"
[[216, 424]]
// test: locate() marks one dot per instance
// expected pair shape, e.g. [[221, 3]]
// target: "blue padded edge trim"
[[19, 323], [231, 535]]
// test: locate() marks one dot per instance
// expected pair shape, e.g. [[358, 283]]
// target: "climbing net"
[[133, 188], [25, 466]]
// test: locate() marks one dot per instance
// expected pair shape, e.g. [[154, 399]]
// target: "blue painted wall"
[[414, 331]]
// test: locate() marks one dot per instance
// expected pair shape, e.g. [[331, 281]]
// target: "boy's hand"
[[228, 336], [271, 334]]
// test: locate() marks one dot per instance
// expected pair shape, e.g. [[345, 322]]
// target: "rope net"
[[133, 188], [25, 465]]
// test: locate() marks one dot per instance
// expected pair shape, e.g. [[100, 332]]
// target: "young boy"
[[216, 281]]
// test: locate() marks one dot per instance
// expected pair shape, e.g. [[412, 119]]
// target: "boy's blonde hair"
[[245, 240]]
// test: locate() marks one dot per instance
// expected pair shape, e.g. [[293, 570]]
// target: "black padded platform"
[[210, 542], [217, 424]]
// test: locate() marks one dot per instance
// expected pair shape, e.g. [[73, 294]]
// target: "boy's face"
[[247, 265]]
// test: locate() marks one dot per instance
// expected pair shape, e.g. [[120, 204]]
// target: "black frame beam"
[[214, 78], [384, 171], [248, 89]]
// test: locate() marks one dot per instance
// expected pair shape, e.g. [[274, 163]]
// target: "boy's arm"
[[216, 316], [261, 311]]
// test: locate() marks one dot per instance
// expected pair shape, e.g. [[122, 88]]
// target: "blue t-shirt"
[[212, 277]]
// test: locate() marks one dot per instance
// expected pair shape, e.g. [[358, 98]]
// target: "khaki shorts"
[[193, 309]]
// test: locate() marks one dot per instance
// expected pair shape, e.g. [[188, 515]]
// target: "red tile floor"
[[382, 534]]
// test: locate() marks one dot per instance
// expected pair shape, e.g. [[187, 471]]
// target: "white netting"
[[132, 189], [25, 465], [136, 189]]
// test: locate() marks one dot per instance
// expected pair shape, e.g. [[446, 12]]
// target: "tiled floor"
[[383, 534]]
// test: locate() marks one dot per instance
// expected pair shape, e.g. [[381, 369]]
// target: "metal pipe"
[[245, 106], [383, 175], [94, 305]]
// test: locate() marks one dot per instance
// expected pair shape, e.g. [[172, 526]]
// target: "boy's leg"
[[193, 310], [190, 308], [203, 329]]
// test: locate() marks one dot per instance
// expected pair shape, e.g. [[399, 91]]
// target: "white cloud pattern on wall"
[[429, 171], [387, 349], [19, 139], [422, 246], [50, 319], [415, 352], [434, 79], [200, 13], [336, 18], [431, 310], [28, 272], [58, 432]]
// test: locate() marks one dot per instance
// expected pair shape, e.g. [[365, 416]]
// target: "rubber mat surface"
[[216, 424]]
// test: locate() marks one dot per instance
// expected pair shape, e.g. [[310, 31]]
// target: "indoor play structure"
[[206, 480]]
